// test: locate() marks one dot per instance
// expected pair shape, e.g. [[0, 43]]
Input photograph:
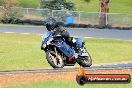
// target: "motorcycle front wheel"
[[53, 60], [85, 61]]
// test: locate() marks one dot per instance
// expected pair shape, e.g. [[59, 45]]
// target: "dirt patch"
[[11, 79]]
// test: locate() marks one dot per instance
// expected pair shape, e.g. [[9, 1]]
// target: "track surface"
[[73, 69], [96, 33]]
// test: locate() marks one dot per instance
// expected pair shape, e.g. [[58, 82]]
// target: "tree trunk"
[[103, 18]]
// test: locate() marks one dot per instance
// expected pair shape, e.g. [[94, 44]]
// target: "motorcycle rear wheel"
[[53, 60]]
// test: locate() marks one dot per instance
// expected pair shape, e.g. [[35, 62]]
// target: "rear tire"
[[55, 62]]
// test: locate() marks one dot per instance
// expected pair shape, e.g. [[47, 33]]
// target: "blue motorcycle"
[[60, 54]]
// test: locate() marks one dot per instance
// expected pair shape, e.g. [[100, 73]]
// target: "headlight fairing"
[[44, 45]]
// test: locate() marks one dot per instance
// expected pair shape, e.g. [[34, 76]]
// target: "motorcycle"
[[60, 54]]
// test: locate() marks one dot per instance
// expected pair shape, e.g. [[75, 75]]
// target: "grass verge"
[[66, 84], [115, 6], [19, 51]]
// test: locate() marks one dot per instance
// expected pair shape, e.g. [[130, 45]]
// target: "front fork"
[[56, 52]]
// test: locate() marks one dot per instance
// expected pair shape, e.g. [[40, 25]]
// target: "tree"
[[57, 4], [104, 9], [11, 11], [1, 2]]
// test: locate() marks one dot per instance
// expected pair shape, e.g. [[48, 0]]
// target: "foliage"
[[1, 2], [10, 11], [57, 4]]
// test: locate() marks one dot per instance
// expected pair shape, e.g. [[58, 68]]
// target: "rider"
[[58, 29]]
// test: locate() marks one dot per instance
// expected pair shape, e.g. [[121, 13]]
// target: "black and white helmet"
[[50, 23]]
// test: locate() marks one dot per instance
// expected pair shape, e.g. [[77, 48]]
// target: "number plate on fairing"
[[83, 52]]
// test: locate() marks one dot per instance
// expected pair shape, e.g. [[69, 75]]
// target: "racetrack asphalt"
[[80, 32], [112, 66]]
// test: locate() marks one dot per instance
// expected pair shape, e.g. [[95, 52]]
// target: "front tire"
[[53, 60], [85, 61]]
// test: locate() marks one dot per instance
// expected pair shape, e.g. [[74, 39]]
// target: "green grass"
[[19, 51], [66, 84], [30, 3], [116, 6], [26, 3], [108, 50]]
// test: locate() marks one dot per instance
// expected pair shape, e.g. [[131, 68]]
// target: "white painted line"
[[72, 36], [81, 37], [22, 33], [40, 34], [114, 63], [25, 33], [9, 32], [110, 38], [88, 37]]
